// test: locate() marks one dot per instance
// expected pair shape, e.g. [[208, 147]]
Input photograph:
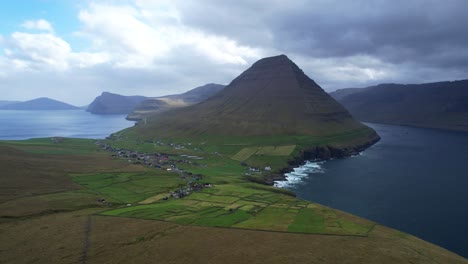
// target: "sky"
[[74, 50]]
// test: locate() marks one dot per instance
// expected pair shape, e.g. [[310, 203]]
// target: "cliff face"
[[323, 152], [109, 103], [436, 105]]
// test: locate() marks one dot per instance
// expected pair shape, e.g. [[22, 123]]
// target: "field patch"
[[270, 218], [308, 221], [282, 151], [245, 153], [130, 187]]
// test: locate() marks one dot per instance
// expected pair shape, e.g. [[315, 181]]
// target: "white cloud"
[[45, 52], [88, 59], [40, 24], [140, 37], [39, 50]]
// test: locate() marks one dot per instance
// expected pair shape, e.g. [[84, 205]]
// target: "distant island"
[[110, 103], [42, 103], [160, 104], [6, 102], [441, 105], [137, 107]]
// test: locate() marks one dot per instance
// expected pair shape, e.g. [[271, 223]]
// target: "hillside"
[[198, 94], [109, 104], [164, 103], [42, 103], [271, 114], [273, 97], [437, 105], [72, 195]]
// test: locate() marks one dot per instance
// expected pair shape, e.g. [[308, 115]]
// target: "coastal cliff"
[[320, 153]]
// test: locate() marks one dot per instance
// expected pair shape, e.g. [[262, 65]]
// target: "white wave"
[[358, 154], [295, 177]]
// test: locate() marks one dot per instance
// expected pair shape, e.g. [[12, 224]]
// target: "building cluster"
[[157, 160], [164, 162], [192, 186]]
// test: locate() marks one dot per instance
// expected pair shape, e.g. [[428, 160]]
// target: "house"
[[268, 168]]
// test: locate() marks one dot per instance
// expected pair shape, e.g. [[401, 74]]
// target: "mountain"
[[109, 103], [164, 103], [42, 103], [198, 94], [342, 93], [5, 102], [273, 97], [436, 105]]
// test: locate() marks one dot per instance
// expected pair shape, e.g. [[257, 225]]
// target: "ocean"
[[16, 125], [414, 180]]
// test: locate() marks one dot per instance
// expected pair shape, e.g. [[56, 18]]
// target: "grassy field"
[[130, 187], [50, 213], [282, 151], [242, 206], [60, 238], [35, 179]]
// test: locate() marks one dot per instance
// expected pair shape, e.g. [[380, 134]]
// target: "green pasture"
[[241, 206], [130, 187], [232, 202], [65, 146]]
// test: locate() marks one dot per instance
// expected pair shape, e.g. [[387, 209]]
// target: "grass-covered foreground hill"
[[130, 201]]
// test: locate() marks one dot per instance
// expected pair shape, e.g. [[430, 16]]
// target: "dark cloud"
[[430, 33]]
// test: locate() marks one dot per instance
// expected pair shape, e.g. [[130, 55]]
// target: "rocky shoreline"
[[319, 153]]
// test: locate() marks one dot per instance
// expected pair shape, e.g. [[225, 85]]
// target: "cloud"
[[38, 50], [40, 24], [420, 36], [140, 37], [161, 47]]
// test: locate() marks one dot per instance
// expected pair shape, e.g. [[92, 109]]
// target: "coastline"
[[318, 154]]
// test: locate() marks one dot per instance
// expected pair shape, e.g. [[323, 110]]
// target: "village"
[[168, 162], [163, 162]]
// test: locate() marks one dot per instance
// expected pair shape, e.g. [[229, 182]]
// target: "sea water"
[[16, 125], [414, 180]]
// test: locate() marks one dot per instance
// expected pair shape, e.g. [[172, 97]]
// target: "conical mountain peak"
[[272, 97], [276, 67]]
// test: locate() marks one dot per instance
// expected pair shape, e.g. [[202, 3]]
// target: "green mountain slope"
[[437, 105], [273, 97], [160, 104]]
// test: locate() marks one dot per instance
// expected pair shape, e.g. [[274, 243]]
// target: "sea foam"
[[295, 177]]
